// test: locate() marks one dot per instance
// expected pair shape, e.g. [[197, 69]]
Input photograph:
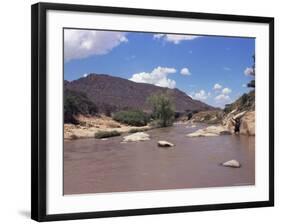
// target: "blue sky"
[[212, 69]]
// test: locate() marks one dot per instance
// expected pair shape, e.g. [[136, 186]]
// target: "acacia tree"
[[162, 109]]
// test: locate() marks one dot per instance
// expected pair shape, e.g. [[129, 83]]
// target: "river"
[[99, 166]]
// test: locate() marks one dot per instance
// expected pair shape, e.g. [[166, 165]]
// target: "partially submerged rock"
[[247, 122], [210, 131], [191, 126], [165, 144], [136, 137], [232, 163]]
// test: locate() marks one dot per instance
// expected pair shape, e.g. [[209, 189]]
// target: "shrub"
[[245, 102], [106, 134], [163, 110], [77, 103], [134, 130], [132, 117], [207, 117], [73, 137]]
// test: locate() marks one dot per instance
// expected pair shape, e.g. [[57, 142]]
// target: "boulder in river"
[[136, 137], [232, 163], [247, 122], [165, 144], [247, 126], [210, 131]]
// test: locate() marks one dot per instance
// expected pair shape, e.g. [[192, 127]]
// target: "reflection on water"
[[95, 166]]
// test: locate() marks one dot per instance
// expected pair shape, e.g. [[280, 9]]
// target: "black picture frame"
[[39, 124]]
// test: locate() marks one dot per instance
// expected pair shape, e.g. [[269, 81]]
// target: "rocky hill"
[[241, 112], [111, 94]]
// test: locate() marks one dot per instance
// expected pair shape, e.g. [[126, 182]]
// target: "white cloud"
[[249, 71], [175, 38], [84, 43], [244, 85], [185, 71], [158, 77], [226, 91], [85, 75], [217, 86], [222, 98], [158, 36], [201, 95]]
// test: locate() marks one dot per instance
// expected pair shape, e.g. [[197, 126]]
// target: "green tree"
[[252, 83], [76, 103], [162, 108]]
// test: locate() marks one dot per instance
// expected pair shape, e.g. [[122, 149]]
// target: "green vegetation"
[[245, 102], [106, 134], [134, 130], [163, 110], [77, 103], [132, 117], [252, 83], [208, 117]]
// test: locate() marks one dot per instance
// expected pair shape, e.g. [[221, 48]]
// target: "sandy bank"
[[89, 126]]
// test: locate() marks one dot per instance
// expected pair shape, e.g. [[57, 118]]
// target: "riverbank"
[[89, 126], [215, 125], [225, 124]]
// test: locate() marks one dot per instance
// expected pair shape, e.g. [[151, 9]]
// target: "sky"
[[212, 69]]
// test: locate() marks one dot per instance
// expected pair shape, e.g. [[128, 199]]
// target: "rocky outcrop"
[[210, 131], [247, 122], [232, 163], [229, 119], [247, 126], [208, 117], [165, 144], [237, 117], [136, 137]]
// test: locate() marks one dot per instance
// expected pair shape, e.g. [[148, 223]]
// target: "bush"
[[163, 110], [106, 134], [77, 103], [135, 130], [245, 102], [132, 117]]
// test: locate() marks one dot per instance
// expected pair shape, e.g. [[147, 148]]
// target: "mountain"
[[113, 93]]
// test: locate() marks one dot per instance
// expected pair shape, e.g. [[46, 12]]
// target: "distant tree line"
[[162, 114]]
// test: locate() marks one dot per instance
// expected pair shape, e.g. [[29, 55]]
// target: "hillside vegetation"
[[76, 103], [132, 117], [244, 103], [112, 94]]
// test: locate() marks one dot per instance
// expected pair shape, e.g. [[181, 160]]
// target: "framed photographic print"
[[139, 111]]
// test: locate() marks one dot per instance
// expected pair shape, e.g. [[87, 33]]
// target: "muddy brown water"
[[99, 166]]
